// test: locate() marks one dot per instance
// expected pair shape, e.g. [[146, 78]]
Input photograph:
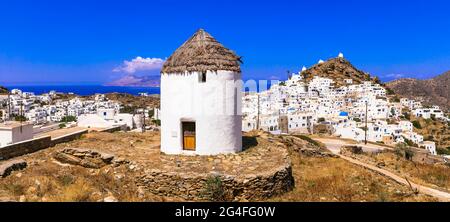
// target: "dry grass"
[[437, 176], [317, 179], [434, 130], [51, 182], [334, 179]]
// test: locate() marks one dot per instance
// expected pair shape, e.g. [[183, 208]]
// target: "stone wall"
[[68, 137], [30, 146], [195, 186], [423, 156], [112, 129], [24, 147]]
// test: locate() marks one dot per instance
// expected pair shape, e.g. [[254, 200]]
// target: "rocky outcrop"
[[3, 90], [7, 167], [305, 148], [84, 157], [338, 69]]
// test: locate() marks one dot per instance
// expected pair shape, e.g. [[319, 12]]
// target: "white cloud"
[[394, 75], [139, 64]]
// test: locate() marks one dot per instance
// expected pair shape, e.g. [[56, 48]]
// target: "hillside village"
[[49, 112], [321, 104]]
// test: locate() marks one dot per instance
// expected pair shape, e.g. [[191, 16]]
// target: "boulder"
[[84, 157], [7, 167]]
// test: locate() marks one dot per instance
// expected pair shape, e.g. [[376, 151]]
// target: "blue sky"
[[87, 42]]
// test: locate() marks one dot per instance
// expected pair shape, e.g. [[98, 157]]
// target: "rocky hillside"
[[136, 81], [435, 91], [3, 90], [337, 69], [132, 100]]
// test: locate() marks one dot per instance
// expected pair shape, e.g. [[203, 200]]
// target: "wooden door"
[[188, 135]]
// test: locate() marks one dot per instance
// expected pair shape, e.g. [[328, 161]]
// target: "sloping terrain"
[[435, 91], [319, 176], [337, 69], [3, 90]]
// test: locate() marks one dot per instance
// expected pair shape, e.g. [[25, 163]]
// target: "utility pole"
[[21, 116], [257, 118], [9, 105], [143, 123], [365, 128]]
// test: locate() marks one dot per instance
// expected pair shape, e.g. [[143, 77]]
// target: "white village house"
[[14, 132], [200, 104], [107, 117]]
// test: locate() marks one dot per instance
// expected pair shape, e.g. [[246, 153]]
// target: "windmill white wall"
[[214, 105]]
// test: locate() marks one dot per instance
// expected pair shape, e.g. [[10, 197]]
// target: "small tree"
[[20, 118], [403, 151], [62, 125], [416, 124], [68, 119], [389, 91], [151, 113], [156, 122]]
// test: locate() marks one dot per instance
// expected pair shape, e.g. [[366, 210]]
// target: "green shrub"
[[20, 118], [151, 113], [409, 142], [403, 151], [358, 120], [157, 122], [416, 124], [443, 151], [389, 91], [62, 125], [68, 119], [214, 189], [128, 109]]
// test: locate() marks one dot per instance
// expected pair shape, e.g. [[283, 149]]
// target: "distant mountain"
[[337, 69], [137, 81], [3, 90], [435, 91]]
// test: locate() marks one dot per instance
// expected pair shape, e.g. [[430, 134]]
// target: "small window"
[[203, 77]]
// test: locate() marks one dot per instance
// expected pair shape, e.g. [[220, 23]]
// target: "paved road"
[[334, 145]]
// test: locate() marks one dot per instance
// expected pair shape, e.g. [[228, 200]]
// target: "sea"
[[85, 90]]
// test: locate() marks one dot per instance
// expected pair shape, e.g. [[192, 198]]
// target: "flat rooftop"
[[13, 124]]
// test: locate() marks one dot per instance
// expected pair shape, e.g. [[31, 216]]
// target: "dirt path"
[[335, 144]]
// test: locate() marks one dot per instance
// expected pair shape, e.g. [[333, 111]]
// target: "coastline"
[[85, 90]]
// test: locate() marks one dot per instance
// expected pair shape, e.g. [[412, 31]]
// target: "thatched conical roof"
[[202, 53]]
